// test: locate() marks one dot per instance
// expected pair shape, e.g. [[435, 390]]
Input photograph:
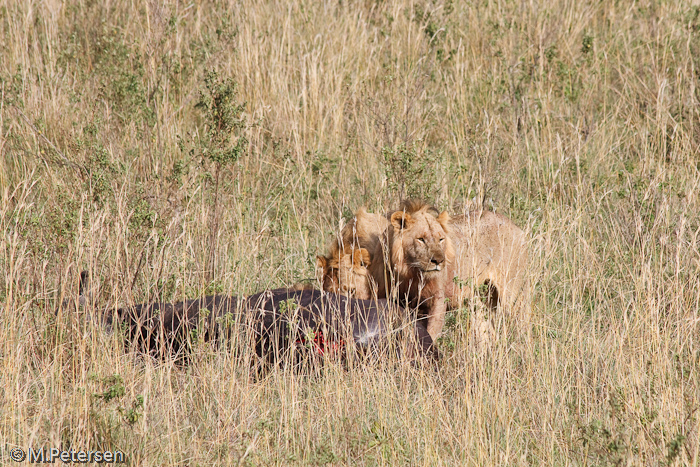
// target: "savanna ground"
[[179, 149]]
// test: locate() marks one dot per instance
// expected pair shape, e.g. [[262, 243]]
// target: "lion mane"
[[412, 260]]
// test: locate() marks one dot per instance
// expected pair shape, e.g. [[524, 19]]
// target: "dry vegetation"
[[179, 149]]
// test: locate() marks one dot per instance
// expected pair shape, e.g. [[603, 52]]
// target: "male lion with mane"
[[411, 260], [490, 255]]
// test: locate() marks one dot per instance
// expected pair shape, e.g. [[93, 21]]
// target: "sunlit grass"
[[578, 120]]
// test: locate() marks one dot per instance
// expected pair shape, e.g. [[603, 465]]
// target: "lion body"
[[490, 251], [364, 230]]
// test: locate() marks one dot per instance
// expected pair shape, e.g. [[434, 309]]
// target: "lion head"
[[420, 242], [346, 272]]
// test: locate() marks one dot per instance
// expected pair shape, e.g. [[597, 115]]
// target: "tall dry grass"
[[580, 120]]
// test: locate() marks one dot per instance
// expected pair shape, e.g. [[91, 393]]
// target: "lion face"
[[353, 275], [347, 273], [421, 243]]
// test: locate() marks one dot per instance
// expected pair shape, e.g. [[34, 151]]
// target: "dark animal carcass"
[[284, 325], [170, 329]]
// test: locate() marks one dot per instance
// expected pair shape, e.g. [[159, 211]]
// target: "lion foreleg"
[[436, 315]]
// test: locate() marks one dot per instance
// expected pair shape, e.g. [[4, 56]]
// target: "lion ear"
[[321, 262], [401, 220], [360, 257], [444, 219]]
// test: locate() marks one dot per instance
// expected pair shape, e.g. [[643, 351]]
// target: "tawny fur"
[[346, 273], [364, 230], [344, 268], [491, 250], [412, 260]]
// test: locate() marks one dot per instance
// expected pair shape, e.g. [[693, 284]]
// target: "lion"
[[490, 259], [491, 255], [411, 260], [346, 267]]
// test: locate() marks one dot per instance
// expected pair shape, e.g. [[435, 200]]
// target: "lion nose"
[[437, 261]]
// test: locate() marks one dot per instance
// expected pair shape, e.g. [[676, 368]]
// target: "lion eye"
[[442, 240], [421, 239]]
